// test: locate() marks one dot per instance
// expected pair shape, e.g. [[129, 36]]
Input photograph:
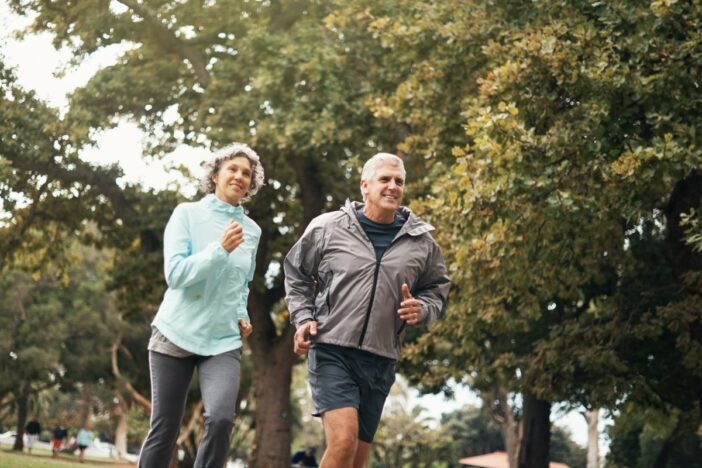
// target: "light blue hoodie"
[[208, 288]]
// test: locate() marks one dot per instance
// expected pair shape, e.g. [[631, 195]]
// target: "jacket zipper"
[[375, 283], [370, 304]]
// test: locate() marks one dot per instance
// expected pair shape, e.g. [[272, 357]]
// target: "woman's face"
[[233, 179]]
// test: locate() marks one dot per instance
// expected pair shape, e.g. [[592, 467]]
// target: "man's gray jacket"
[[332, 276]]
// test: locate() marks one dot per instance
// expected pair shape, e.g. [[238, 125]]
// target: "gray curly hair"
[[232, 151]]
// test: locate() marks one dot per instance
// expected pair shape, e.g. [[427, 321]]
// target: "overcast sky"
[[38, 66]]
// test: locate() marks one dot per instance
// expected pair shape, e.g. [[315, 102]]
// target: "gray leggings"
[[219, 385]]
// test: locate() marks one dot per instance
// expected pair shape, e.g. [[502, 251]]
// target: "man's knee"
[[341, 428], [343, 443]]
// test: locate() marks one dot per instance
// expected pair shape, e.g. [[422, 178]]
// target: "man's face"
[[385, 189]]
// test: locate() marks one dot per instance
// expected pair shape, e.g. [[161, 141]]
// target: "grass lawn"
[[42, 459]]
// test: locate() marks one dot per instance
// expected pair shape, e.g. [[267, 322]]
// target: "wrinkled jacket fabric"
[[332, 276]]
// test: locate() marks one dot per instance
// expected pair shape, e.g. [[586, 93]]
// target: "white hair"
[[232, 151], [376, 162]]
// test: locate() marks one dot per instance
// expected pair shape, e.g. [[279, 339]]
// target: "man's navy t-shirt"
[[380, 235]]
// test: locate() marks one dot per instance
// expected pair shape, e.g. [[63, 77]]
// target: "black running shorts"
[[343, 377]]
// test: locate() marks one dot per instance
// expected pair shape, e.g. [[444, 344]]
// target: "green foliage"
[[554, 145], [405, 437], [471, 432], [273, 74], [693, 229], [55, 324], [642, 437], [564, 450], [582, 125]]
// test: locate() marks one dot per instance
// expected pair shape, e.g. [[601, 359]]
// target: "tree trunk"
[[667, 449], [664, 454], [272, 348], [511, 438], [186, 440], [22, 403], [121, 430], [533, 452], [593, 446], [86, 403], [502, 413], [189, 447], [510, 433], [272, 376]]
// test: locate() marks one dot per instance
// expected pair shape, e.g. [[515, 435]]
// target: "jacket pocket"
[[323, 302]]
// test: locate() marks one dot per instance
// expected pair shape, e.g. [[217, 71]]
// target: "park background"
[[553, 144]]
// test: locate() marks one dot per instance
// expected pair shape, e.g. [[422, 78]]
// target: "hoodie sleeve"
[[300, 272], [182, 268], [433, 286]]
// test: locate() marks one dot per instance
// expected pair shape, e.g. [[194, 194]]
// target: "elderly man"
[[354, 280]]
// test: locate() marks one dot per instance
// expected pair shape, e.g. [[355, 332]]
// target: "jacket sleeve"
[[300, 272], [182, 268], [243, 313], [433, 286]]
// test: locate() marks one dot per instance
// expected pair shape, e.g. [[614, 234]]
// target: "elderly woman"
[[209, 252]]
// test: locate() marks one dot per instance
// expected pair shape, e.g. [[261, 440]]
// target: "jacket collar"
[[413, 226], [218, 205]]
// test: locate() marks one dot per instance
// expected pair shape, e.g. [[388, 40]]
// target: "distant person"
[[33, 430], [305, 458], [209, 250], [84, 439], [59, 438], [354, 281]]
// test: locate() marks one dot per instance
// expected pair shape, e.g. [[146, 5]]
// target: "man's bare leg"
[[341, 432], [362, 452]]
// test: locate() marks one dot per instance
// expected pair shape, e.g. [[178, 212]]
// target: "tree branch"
[[195, 419], [168, 40], [131, 391], [82, 173]]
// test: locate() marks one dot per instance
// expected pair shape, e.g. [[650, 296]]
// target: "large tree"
[[556, 144], [272, 74], [51, 198], [563, 207], [55, 329], [567, 132]]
